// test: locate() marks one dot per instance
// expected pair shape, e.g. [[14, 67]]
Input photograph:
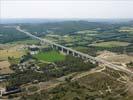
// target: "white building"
[[2, 91], [33, 49]]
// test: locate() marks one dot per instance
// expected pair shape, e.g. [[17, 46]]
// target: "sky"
[[66, 9]]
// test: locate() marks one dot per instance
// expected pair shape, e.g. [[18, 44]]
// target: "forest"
[[60, 68]]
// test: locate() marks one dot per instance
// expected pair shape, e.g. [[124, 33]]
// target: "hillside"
[[105, 85]]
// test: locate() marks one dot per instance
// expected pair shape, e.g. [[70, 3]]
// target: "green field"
[[111, 44], [86, 31], [27, 41], [50, 56]]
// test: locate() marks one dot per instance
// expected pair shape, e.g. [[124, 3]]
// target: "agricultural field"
[[87, 32], [24, 42], [81, 48], [52, 38], [126, 29], [111, 44], [50, 56], [60, 39], [15, 51]]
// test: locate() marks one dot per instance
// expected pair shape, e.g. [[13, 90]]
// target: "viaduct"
[[76, 53]]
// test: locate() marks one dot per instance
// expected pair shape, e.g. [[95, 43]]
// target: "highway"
[[83, 55]]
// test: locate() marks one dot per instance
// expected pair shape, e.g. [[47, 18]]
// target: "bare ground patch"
[[5, 67], [121, 59], [13, 51]]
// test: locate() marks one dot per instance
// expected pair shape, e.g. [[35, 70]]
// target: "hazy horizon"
[[44, 20], [67, 9]]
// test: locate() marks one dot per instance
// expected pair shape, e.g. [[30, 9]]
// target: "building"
[[2, 91], [33, 49]]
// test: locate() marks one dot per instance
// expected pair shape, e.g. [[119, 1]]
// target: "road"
[[106, 63]]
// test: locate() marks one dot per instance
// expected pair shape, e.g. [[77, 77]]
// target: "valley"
[[41, 71]]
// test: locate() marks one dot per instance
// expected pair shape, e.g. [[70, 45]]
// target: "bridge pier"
[[78, 55], [52, 46], [67, 52], [62, 50], [83, 57], [73, 53], [55, 47]]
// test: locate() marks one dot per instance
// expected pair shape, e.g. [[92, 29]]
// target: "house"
[[33, 49]]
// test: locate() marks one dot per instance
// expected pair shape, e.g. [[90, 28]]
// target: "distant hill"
[[40, 27], [46, 20], [64, 27], [28, 20]]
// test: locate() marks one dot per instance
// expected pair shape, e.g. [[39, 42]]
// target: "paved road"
[[106, 63]]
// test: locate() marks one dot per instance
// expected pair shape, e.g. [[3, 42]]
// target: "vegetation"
[[100, 85], [60, 68], [32, 88], [14, 51], [10, 34], [96, 30], [49, 64], [19, 78], [50, 56], [72, 64], [130, 64], [77, 33], [13, 61], [62, 27], [111, 44], [26, 41]]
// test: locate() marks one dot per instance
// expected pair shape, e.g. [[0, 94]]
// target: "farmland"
[[24, 42], [50, 56], [12, 51], [111, 44], [126, 29]]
